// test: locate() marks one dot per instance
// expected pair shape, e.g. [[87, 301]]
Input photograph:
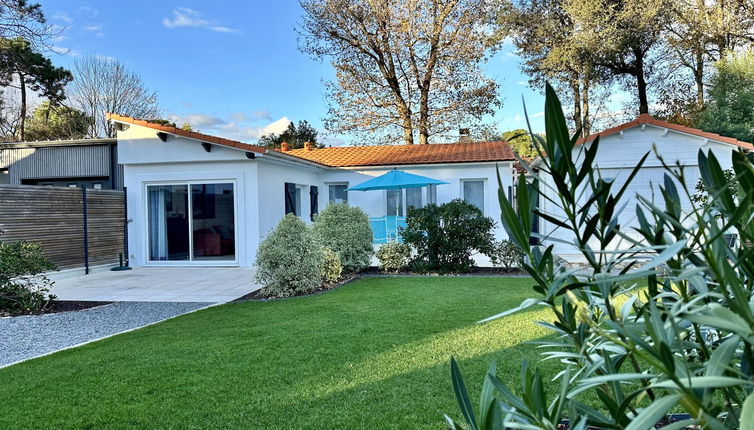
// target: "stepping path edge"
[[208, 305]]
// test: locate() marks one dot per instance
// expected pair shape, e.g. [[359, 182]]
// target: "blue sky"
[[232, 68]]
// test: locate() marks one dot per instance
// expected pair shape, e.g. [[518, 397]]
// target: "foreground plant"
[[23, 284], [660, 319]]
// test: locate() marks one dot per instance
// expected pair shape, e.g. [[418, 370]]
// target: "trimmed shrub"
[[507, 255], [331, 266], [23, 285], [346, 231], [445, 237], [393, 256], [289, 261]]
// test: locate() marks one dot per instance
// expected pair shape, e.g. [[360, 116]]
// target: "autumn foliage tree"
[[403, 68]]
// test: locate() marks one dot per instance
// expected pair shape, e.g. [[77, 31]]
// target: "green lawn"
[[372, 354]]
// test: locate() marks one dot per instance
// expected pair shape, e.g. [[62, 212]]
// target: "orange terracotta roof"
[[648, 119], [346, 156], [388, 155], [190, 134]]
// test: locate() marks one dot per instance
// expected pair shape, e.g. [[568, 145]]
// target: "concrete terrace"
[[159, 284]]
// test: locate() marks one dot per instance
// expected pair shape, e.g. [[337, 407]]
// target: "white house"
[[620, 150], [195, 199]]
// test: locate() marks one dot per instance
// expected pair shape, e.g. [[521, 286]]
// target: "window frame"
[[462, 184], [329, 191]]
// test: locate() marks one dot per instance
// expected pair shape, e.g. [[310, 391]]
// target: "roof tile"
[[387, 155]]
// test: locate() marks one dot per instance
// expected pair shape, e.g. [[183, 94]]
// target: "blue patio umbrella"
[[396, 180]]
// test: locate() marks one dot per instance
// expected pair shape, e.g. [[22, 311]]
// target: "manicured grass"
[[372, 354]]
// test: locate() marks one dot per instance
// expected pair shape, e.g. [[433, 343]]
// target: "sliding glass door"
[[191, 222]]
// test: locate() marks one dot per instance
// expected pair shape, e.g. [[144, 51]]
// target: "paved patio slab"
[[159, 284]]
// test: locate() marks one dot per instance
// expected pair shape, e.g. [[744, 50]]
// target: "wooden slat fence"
[[54, 217]]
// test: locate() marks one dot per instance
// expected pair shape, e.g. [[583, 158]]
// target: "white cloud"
[[276, 127], [254, 116], [62, 50], [237, 126], [538, 115], [185, 17], [62, 16], [221, 29], [88, 9], [92, 27], [198, 120]]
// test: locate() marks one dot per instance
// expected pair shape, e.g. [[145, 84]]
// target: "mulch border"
[[257, 297], [373, 272]]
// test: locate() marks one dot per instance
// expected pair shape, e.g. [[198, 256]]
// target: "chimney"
[[308, 146], [464, 135], [284, 146]]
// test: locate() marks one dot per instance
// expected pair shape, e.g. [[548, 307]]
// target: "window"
[[432, 194], [337, 193], [473, 192], [414, 198], [297, 197], [394, 202], [4, 176], [72, 186], [191, 222], [97, 186]]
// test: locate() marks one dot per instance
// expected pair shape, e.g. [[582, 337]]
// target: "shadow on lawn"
[[369, 355]]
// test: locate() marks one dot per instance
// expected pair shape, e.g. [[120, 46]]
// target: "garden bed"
[[57, 306], [259, 295], [477, 271]]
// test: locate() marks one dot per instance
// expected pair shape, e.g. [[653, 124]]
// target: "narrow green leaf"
[[703, 382], [747, 413], [462, 395], [649, 416]]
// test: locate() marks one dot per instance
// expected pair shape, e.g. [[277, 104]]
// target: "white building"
[[195, 199], [622, 147]]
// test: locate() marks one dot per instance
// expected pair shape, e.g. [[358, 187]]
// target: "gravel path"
[[25, 337]]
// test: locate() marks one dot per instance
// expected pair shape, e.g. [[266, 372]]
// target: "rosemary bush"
[[656, 322]]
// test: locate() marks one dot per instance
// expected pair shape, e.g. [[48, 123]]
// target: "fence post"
[[125, 225], [86, 231]]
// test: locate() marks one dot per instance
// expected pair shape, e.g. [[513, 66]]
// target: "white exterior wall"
[[617, 156], [272, 176], [259, 186], [147, 160], [375, 202]]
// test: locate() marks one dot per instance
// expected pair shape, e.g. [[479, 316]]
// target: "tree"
[[698, 33], [521, 142], [105, 85], [621, 34], [547, 40], [21, 19], [23, 68], [730, 109], [50, 122], [402, 67], [294, 135]]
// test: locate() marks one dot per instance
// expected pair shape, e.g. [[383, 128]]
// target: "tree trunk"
[[576, 91], [408, 131], [22, 83], [424, 117], [641, 81], [699, 78], [585, 122], [641, 86]]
